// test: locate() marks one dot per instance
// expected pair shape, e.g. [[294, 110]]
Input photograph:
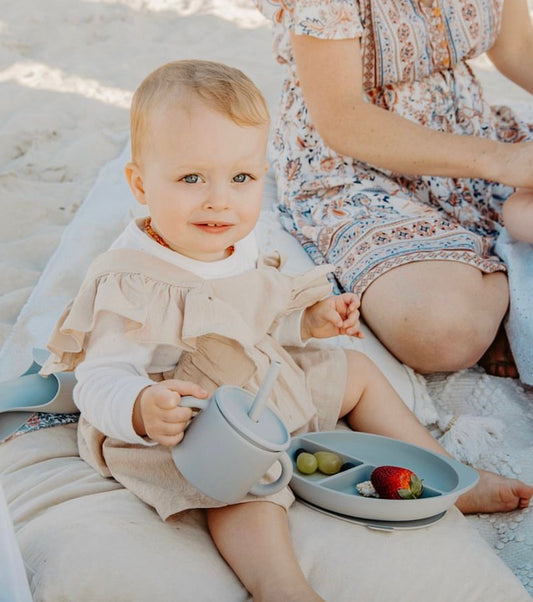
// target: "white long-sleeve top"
[[115, 369]]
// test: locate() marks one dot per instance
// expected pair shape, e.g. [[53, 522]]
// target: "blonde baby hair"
[[222, 88]]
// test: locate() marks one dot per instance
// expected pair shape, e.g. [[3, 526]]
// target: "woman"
[[391, 164]]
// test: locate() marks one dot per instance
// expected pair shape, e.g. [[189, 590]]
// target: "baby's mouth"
[[214, 226]]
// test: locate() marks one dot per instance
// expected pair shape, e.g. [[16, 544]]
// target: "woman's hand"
[[157, 412], [514, 165], [338, 314]]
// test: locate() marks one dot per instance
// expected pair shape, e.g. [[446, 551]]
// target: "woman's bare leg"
[[254, 540], [372, 405], [436, 316]]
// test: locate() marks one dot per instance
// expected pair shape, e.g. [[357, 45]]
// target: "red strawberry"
[[396, 483]]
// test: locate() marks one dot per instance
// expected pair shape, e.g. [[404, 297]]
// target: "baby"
[[184, 302]]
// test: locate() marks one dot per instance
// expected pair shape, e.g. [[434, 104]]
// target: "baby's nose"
[[217, 199]]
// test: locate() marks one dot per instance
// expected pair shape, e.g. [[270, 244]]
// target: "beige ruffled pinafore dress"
[[224, 328]]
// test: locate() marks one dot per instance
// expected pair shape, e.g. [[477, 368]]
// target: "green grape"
[[328, 462], [306, 463]]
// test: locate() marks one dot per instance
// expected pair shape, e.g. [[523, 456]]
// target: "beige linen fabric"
[[85, 538], [224, 327]]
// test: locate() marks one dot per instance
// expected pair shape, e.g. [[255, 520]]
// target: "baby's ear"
[[135, 180]]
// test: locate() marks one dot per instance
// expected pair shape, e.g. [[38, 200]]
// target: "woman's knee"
[[446, 341], [441, 320]]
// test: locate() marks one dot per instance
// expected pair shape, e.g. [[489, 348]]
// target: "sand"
[[68, 69]]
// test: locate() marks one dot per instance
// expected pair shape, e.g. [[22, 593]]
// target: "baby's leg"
[[372, 405], [517, 214], [254, 540]]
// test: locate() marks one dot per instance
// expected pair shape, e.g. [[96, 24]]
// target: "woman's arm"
[[512, 53], [330, 73]]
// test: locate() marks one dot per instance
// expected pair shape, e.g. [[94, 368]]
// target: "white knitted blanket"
[[508, 451]]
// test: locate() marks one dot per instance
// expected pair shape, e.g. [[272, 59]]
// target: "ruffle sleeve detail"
[[305, 290], [163, 305], [151, 309], [310, 287], [153, 312], [66, 348]]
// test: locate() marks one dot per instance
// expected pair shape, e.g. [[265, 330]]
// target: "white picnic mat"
[[506, 445]]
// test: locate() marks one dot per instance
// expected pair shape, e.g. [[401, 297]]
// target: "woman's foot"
[[495, 493], [498, 360]]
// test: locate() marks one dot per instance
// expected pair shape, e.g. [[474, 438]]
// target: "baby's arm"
[[518, 215], [113, 376], [335, 315]]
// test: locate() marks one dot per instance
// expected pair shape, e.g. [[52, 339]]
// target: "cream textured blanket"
[[85, 538]]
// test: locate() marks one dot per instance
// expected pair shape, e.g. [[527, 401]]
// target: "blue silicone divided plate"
[[444, 479]]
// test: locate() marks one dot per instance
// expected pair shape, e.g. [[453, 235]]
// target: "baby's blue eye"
[[191, 178], [240, 178]]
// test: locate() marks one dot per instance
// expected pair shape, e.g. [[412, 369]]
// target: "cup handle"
[[280, 482], [188, 401]]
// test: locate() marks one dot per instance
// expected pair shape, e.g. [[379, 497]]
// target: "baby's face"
[[202, 179]]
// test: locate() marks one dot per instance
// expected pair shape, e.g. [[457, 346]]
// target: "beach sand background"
[[68, 69]]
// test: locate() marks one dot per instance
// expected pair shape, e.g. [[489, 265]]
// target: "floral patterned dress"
[[364, 220]]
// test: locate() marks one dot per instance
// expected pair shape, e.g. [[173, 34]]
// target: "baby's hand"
[[338, 314], [158, 414]]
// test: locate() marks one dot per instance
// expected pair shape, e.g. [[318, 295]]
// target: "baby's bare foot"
[[495, 493]]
